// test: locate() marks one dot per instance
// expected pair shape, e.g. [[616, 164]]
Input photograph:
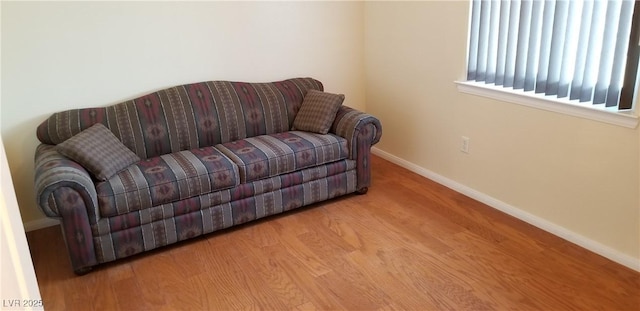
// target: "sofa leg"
[[82, 271], [362, 190]]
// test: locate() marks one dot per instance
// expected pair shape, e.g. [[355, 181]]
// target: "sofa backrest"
[[189, 116]]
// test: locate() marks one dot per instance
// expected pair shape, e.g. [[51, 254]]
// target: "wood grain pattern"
[[408, 244]]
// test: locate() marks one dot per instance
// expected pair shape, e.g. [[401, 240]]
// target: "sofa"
[[193, 159]]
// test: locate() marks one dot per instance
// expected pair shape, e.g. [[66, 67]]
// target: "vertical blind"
[[579, 50]]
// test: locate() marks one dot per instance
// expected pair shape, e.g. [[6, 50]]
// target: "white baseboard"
[[562, 232], [40, 223]]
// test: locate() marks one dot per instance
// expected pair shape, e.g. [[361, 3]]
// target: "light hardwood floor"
[[409, 244]]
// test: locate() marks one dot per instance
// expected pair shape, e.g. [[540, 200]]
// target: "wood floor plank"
[[301, 252], [255, 284], [401, 293], [267, 267], [128, 296], [316, 293], [319, 222], [408, 244], [227, 283]]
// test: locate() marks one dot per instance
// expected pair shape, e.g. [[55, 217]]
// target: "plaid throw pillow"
[[99, 151], [317, 112]]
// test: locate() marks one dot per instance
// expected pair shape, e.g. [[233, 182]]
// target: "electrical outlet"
[[465, 144]]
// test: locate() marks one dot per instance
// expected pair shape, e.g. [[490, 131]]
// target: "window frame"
[[623, 118]]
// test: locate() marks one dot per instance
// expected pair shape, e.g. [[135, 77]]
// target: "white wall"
[[63, 55], [577, 175], [18, 284]]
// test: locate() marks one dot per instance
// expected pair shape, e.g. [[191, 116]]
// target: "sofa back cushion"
[[189, 116]]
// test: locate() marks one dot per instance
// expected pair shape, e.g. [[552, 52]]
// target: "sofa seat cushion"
[[165, 179], [272, 155]]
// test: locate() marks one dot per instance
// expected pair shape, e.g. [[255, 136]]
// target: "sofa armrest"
[[357, 127], [65, 190], [53, 173], [361, 131]]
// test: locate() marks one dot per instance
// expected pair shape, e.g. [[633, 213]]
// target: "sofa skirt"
[[127, 235]]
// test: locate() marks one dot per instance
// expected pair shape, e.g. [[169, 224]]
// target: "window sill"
[[592, 112]]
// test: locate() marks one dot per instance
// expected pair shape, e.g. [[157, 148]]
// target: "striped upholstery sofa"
[[201, 157]]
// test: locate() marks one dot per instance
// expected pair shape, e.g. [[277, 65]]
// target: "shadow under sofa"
[[193, 159]]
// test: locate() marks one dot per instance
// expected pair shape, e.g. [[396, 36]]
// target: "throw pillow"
[[99, 151], [317, 112]]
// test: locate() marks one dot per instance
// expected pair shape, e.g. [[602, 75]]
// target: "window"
[[581, 51]]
